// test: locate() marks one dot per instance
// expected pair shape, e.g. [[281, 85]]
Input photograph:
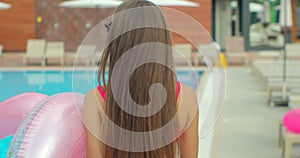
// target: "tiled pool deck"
[[248, 127]]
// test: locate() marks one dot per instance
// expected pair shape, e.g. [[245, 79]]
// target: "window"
[[265, 29]]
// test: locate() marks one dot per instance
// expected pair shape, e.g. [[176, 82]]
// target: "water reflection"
[[53, 82]]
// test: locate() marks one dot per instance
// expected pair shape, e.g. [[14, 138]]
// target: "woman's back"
[[187, 139], [140, 115]]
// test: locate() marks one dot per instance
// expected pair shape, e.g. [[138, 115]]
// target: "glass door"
[[265, 29]]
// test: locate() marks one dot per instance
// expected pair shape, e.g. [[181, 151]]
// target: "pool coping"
[[205, 69]]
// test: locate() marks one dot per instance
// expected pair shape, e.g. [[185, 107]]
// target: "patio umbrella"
[[4, 6], [90, 4], [181, 3], [115, 3]]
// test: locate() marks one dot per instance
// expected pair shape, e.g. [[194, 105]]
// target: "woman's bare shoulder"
[[93, 101], [188, 103], [91, 95], [93, 120], [188, 93]]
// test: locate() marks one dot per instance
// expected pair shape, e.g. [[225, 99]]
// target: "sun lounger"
[[292, 50], [35, 49], [183, 54], [55, 50], [267, 77], [264, 65], [271, 55], [294, 100], [264, 57], [271, 75], [273, 64], [280, 80], [258, 64], [274, 69], [212, 53], [87, 54], [271, 87], [287, 140], [69, 57], [235, 48]]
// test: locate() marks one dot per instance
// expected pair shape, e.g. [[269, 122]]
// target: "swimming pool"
[[53, 81]]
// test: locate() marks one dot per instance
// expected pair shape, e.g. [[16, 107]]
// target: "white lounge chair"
[[271, 55], [183, 53], [258, 64], [211, 52], [271, 87], [294, 100], [274, 68], [235, 48], [287, 140], [35, 49], [264, 58], [86, 53], [55, 50], [292, 50]]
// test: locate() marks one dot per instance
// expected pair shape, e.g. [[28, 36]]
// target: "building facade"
[[45, 19], [258, 21]]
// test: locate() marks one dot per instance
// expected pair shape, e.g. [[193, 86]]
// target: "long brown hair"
[[140, 80]]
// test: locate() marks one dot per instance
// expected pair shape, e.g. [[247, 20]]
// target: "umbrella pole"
[[284, 87], [283, 100]]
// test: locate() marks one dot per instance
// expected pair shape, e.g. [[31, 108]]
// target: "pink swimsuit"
[[103, 93]]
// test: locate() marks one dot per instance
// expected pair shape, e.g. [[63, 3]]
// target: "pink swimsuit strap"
[[103, 93]]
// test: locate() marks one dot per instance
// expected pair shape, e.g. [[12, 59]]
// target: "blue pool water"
[[53, 82], [4, 145]]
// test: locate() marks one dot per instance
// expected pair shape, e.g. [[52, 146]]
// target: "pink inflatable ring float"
[[13, 111], [291, 121], [52, 129]]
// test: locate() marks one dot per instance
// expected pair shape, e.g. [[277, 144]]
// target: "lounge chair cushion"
[[291, 121]]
